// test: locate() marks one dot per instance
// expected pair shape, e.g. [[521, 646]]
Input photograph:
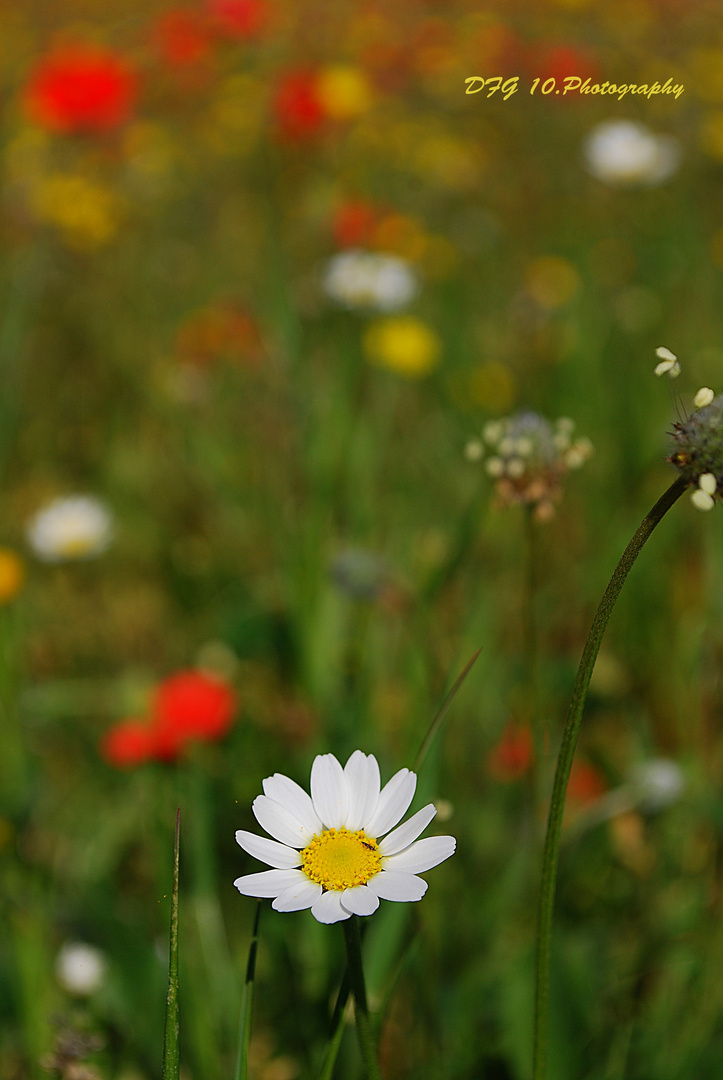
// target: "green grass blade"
[[338, 1022], [247, 1001], [437, 722], [171, 1061]]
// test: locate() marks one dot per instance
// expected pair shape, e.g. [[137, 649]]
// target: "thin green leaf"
[[338, 1022], [171, 1060], [247, 1001], [437, 722]]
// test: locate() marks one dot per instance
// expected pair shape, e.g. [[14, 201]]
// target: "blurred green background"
[[293, 513]]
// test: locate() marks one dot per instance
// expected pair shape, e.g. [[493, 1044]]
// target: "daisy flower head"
[[78, 527], [337, 851], [371, 280], [626, 153]]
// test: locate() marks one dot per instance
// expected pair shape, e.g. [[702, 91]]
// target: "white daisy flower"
[[624, 152], [78, 527], [327, 853], [370, 279]]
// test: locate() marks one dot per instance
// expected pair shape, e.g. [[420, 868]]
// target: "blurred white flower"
[[626, 152], [78, 527], [80, 968], [368, 279], [656, 784]]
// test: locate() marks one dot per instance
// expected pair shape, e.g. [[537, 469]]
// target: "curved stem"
[[564, 763], [364, 1033]]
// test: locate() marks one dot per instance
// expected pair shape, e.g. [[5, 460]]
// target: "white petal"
[[396, 885], [280, 822], [665, 354], [708, 483], [702, 500], [269, 851], [409, 831], [393, 803], [269, 882], [360, 900], [328, 908], [423, 855], [298, 897], [294, 799], [329, 791], [363, 784]]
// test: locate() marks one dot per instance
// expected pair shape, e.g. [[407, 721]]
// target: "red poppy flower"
[[128, 744], [190, 705], [81, 88], [512, 756], [239, 18], [298, 109], [352, 224], [182, 37], [562, 61]]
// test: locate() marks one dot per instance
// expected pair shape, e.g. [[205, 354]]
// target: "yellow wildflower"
[[86, 213], [12, 575], [403, 344]]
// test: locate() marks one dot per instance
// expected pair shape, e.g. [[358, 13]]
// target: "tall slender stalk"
[[364, 1032], [564, 762], [171, 1059], [531, 655]]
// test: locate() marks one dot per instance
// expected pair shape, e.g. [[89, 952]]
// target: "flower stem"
[[361, 1012], [532, 666], [337, 1030], [247, 1001], [171, 1066], [564, 762]]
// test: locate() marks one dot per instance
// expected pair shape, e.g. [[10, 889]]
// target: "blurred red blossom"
[[223, 330], [239, 18], [186, 707], [297, 106], [190, 705], [353, 222], [127, 744], [586, 783], [511, 757], [560, 62], [182, 36], [81, 88]]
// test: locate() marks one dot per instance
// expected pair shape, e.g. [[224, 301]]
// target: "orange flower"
[[81, 88], [352, 224], [182, 37], [512, 756], [239, 18], [586, 783]]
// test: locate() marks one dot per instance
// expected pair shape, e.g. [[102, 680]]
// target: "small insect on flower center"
[[339, 859]]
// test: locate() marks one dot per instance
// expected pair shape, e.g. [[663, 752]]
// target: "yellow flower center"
[[76, 546], [338, 859]]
